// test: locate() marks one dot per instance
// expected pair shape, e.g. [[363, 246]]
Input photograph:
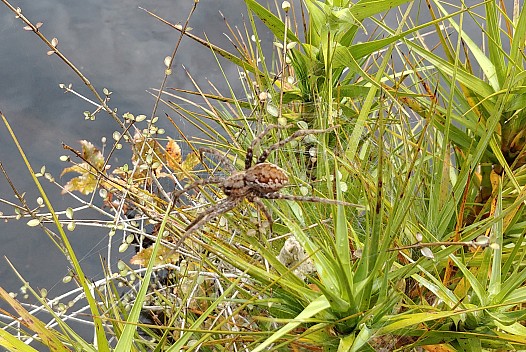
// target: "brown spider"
[[261, 180]]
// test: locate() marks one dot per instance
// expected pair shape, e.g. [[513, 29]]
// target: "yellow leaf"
[[191, 161], [164, 256]]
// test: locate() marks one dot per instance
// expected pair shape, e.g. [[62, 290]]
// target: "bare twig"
[[53, 48]]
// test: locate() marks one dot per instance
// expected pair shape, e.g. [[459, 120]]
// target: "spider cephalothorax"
[[261, 180]]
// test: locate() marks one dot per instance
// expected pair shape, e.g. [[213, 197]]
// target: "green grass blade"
[[101, 336], [478, 288], [318, 305], [176, 347], [127, 337], [517, 46], [484, 62], [496, 54], [366, 8], [48, 337], [13, 344], [274, 24]]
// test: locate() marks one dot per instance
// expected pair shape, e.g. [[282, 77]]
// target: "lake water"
[[116, 45]]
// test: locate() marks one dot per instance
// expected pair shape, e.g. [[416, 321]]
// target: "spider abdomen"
[[263, 178], [266, 178]]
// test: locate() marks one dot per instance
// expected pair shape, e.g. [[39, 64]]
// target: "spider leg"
[[266, 152], [277, 195], [213, 211], [250, 151], [223, 159], [210, 213], [195, 184], [259, 204]]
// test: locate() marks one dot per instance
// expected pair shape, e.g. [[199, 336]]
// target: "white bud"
[[291, 45]]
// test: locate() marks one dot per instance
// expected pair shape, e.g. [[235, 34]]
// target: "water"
[[116, 45]]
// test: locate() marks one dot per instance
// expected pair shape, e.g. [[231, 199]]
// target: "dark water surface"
[[116, 45]]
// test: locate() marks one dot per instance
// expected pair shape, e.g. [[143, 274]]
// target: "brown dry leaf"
[[87, 181], [151, 155], [179, 167], [173, 154], [151, 147]]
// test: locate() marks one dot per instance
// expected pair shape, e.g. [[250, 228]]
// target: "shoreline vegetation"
[[364, 194]]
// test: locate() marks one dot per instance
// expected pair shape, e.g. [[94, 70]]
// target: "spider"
[[260, 180]]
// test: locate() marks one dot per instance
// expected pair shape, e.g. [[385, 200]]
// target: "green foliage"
[[429, 150]]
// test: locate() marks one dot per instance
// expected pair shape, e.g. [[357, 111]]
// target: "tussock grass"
[[430, 150]]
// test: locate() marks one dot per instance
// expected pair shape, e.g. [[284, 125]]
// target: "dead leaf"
[[86, 183], [173, 154], [164, 256]]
